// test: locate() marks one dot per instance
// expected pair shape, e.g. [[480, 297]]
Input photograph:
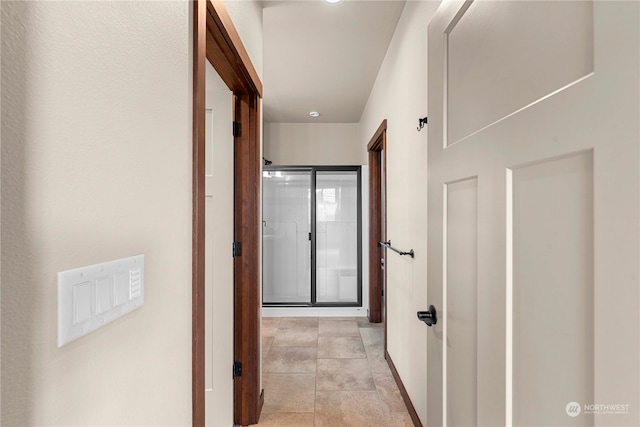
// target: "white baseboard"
[[314, 312]]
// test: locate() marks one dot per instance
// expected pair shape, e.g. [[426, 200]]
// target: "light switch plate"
[[91, 297]]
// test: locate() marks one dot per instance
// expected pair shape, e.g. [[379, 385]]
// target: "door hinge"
[[383, 292], [237, 369], [236, 129], [236, 249]]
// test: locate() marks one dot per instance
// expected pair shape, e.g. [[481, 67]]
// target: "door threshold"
[[314, 312]]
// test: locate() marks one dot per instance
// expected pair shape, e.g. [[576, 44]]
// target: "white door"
[[219, 260], [534, 213]]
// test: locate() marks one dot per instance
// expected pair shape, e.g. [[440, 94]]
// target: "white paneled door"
[[219, 207], [534, 215]]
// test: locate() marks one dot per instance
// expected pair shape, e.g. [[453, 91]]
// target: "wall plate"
[[91, 297]]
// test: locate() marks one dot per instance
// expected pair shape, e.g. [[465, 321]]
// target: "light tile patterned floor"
[[328, 372]]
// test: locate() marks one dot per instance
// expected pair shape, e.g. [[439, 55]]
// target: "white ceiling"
[[323, 57]]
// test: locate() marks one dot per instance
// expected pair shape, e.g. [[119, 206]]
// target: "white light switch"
[[81, 302], [104, 294], [92, 296], [121, 291]]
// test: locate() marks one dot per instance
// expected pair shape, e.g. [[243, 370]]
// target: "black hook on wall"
[[421, 123]]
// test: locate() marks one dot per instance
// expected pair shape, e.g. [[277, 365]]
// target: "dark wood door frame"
[[215, 39], [376, 148]]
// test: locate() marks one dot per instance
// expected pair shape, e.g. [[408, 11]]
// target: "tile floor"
[[328, 372]]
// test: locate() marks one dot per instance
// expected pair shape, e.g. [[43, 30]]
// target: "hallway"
[[328, 372]]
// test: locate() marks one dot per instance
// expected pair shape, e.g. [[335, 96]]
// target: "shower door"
[[311, 236], [337, 237], [286, 236]]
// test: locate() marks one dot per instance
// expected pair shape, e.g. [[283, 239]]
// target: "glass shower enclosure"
[[311, 227]]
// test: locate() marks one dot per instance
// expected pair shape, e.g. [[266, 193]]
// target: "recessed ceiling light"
[[314, 114], [333, 1]]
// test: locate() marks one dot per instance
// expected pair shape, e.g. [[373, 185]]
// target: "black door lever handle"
[[429, 317]]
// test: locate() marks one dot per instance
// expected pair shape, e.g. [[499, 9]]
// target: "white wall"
[[247, 18], [319, 144], [96, 165], [312, 143], [400, 96]]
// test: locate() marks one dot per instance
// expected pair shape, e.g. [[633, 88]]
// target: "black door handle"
[[429, 317]]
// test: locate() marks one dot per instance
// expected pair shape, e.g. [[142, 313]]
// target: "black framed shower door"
[[312, 236]]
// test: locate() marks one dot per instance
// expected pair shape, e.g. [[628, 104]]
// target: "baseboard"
[[403, 391]]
